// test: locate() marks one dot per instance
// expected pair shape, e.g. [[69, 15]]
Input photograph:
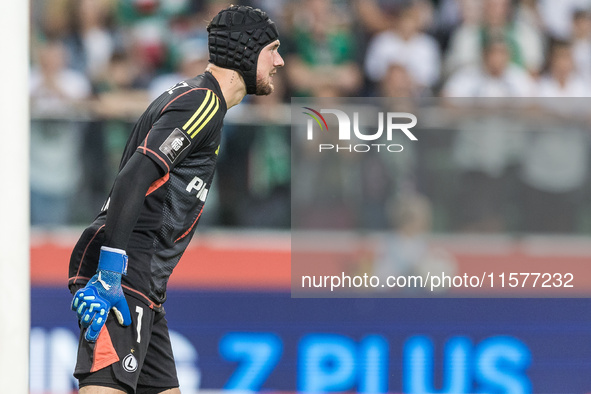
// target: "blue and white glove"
[[102, 293]]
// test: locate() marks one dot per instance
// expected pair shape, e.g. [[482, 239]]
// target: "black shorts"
[[136, 359]]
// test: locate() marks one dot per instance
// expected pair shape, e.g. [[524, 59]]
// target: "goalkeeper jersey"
[[180, 131]]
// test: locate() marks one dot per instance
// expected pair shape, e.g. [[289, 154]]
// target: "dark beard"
[[264, 89]]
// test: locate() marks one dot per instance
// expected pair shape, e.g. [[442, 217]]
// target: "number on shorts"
[[140, 313]]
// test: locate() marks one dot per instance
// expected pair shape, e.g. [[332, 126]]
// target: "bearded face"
[[264, 85], [268, 63]]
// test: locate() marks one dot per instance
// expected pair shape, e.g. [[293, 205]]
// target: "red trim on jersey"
[[151, 305], [156, 154], [104, 353], [190, 228], [145, 142], [84, 254], [75, 278], [179, 96], [144, 145], [145, 149], [157, 183]]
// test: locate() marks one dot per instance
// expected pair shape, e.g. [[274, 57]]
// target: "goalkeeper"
[[121, 264]]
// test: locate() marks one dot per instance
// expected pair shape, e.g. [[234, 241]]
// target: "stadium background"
[[95, 66]]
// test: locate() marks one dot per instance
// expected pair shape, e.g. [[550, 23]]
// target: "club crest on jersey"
[[175, 144], [129, 363]]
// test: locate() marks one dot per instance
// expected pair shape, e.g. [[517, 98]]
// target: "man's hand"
[[102, 293]]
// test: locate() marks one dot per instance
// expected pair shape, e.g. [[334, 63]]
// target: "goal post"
[[14, 198]]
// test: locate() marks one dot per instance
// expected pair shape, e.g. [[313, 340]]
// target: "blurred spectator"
[[187, 31], [54, 87], [406, 250], [130, 11], [582, 43], [91, 40], [529, 34], [555, 169], [121, 91], [253, 175], [406, 45], [322, 60], [555, 165], [487, 145], [120, 98], [378, 182], [149, 30], [557, 15], [464, 42], [496, 77], [562, 79], [269, 166], [147, 44], [194, 57], [528, 13], [274, 8], [398, 82], [54, 91], [51, 20], [487, 18], [553, 177], [54, 171], [325, 186], [449, 13], [411, 217], [376, 15], [487, 149]]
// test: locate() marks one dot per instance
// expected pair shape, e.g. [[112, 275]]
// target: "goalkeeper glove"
[[102, 293]]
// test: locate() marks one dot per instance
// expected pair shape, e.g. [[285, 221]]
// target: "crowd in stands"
[[103, 61], [122, 53]]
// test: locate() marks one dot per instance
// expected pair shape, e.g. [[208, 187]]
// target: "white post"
[[14, 197]]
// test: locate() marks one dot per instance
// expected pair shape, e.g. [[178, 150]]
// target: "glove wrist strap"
[[112, 259]]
